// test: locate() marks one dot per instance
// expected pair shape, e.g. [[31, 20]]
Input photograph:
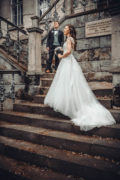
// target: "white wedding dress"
[[71, 95]]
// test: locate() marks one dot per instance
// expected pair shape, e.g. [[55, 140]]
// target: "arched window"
[[17, 11]]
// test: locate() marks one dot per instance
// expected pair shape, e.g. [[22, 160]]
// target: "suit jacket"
[[50, 38]]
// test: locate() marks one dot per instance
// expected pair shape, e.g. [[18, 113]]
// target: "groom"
[[55, 39]]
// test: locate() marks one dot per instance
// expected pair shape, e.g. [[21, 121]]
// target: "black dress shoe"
[[50, 70]]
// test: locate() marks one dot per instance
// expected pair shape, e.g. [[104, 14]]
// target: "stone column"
[[34, 45], [68, 7], [115, 63], [116, 41]]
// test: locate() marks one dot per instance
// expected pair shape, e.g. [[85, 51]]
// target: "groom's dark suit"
[[55, 39]]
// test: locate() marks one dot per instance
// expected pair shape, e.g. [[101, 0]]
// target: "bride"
[[70, 93]]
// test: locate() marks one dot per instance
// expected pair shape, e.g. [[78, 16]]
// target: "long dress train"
[[71, 95]]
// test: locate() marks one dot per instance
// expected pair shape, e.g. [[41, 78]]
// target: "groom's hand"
[[47, 48]]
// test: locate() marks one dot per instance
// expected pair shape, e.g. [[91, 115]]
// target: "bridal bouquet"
[[58, 50]]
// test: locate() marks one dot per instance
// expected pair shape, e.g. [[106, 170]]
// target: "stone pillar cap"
[[35, 29]]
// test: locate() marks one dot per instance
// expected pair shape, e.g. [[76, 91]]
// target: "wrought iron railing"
[[14, 40], [9, 94]]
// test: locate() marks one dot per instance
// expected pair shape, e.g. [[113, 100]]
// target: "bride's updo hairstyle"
[[72, 33]]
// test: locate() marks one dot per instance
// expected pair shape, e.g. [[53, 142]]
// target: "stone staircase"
[[38, 143]]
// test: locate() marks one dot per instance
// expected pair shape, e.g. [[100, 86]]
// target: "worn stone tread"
[[45, 121], [94, 85], [90, 76], [53, 153], [47, 117], [92, 145], [22, 102], [102, 98], [30, 171], [35, 116], [38, 108], [106, 101], [65, 135]]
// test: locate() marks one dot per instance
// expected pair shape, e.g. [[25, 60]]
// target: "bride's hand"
[[59, 56]]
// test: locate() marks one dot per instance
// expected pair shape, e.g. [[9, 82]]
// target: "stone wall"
[[29, 10], [115, 64], [5, 10]]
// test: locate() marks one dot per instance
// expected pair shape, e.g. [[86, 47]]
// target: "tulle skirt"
[[71, 95]]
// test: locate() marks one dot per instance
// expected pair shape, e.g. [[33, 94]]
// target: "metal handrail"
[[16, 44], [10, 23]]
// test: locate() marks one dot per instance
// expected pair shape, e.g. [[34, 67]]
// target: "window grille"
[[17, 11]]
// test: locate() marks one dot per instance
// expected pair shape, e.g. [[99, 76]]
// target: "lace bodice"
[[65, 44]]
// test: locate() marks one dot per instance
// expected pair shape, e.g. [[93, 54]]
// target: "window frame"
[[17, 17]]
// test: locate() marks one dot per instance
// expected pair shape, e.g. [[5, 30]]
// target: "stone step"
[[107, 102], [96, 146], [43, 90], [97, 92], [60, 160], [46, 82], [48, 75], [10, 169], [90, 76], [39, 98], [48, 122], [37, 109], [44, 109], [99, 76], [6, 175], [99, 88]]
